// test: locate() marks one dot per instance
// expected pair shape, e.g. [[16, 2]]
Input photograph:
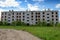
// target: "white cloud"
[[9, 3], [39, 0], [58, 6], [33, 7]]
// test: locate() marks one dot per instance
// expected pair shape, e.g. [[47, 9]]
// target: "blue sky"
[[29, 4]]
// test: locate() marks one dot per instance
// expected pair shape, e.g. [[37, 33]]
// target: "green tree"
[[1, 23]]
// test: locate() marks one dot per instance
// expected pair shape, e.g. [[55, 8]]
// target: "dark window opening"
[[28, 20], [23, 19], [56, 16], [2, 13], [12, 19], [43, 16], [27, 14], [48, 20], [31, 19], [56, 19], [43, 12], [8, 20], [23, 13], [52, 12], [5, 16], [52, 16], [27, 17], [36, 19], [17, 16], [13, 13], [47, 17], [43, 19], [5, 13], [52, 19], [17, 13], [12, 16], [36, 22], [27, 24], [56, 13], [47, 14], [9, 14], [2, 16], [32, 13]]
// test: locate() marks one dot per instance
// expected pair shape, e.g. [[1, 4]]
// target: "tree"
[[39, 23], [1, 23]]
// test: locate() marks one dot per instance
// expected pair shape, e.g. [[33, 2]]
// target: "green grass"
[[46, 33]]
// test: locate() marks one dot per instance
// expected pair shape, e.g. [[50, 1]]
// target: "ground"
[[46, 33], [9, 34]]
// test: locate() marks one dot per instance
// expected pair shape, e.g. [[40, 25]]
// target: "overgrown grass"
[[46, 33]]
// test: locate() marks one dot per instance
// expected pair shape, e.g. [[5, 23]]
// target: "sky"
[[22, 5]]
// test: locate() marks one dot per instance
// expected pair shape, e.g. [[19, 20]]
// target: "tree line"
[[19, 23]]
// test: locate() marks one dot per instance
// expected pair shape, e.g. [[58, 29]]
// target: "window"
[[39, 13], [23, 19], [5, 16], [56, 13], [56, 16], [5, 13], [19, 16], [17, 19], [56, 19], [47, 14], [12, 19], [43, 12], [31, 19], [52, 12], [36, 16], [2, 16], [32, 13], [36, 13], [43, 16], [28, 20], [23, 13], [12, 16], [8, 20], [27, 17], [8, 17], [5, 19], [36, 22], [52, 19], [52, 16], [19, 13], [43, 19], [36, 19], [12, 13], [32, 16], [47, 17], [9, 14], [23, 16], [48, 20], [27, 14], [2, 13]]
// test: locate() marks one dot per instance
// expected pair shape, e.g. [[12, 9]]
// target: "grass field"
[[46, 33]]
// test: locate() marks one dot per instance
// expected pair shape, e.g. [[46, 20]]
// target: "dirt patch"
[[9, 34]]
